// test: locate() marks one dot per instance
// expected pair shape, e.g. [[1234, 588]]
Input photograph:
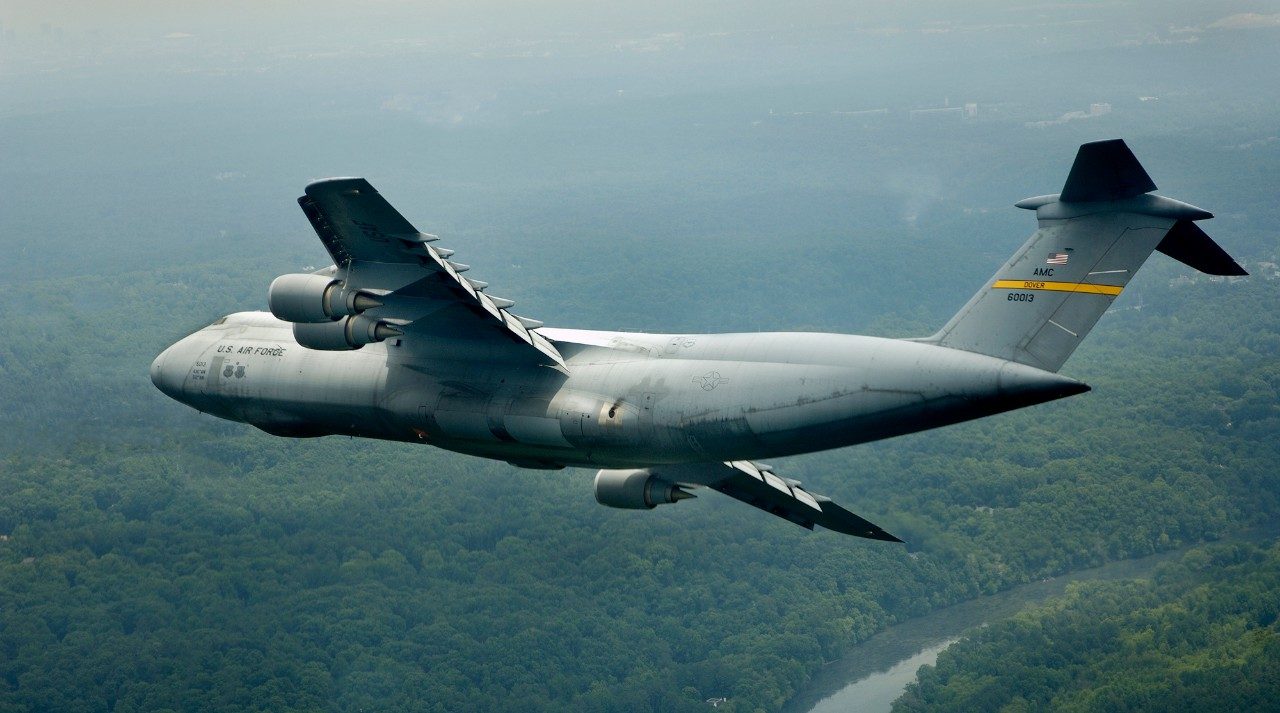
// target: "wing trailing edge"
[[376, 247], [758, 486]]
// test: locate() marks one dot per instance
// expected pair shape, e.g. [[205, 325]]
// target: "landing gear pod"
[[636, 490]]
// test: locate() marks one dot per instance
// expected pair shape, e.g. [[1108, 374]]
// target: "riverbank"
[[876, 668]]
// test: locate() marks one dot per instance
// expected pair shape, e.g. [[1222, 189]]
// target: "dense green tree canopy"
[[154, 558], [1202, 635]]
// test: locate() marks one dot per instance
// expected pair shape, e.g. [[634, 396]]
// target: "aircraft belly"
[[771, 405], [538, 431], [471, 408], [683, 410], [735, 410]]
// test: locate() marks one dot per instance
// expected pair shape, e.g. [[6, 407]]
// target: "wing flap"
[[761, 488]]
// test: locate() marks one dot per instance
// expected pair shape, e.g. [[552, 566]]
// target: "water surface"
[[874, 673]]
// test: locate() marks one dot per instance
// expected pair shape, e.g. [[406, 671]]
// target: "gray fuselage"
[[627, 399]]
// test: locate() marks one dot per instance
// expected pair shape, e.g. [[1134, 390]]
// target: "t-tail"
[[1092, 238]]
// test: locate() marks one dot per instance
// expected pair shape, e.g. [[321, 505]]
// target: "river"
[[874, 673]]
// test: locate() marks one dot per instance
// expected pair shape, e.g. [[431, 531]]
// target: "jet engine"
[[310, 298], [344, 335], [636, 490]]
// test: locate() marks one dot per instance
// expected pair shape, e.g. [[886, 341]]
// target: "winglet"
[[1105, 171]]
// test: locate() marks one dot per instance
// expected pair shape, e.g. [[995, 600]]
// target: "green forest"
[[1201, 635], [156, 559]]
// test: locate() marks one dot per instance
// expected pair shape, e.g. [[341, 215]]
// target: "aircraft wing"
[[756, 484], [421, 291]]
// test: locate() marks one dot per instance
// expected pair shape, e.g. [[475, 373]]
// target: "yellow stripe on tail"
[[1079, 287]]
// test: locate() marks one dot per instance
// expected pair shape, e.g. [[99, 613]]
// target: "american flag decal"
[[1056, 259]]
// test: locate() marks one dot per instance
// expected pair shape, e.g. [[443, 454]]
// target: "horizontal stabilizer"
[[1105, 171], [1189, 245]]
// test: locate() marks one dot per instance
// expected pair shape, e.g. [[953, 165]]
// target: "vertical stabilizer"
[[1092, 238]]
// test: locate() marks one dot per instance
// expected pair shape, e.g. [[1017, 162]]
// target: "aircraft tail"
[[1092, 238]]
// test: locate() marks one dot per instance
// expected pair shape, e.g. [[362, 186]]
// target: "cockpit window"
[[220, 320]]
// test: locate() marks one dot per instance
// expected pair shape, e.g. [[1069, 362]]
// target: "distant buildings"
[[946, 111], [863, 112], [942, 113], [1095, 110]]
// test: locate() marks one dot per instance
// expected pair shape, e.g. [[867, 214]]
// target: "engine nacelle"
[[344, 335], [309, 298], [636, 490]]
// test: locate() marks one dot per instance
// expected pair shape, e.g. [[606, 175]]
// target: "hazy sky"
[[751, 39], [241, 102], [399, 17]]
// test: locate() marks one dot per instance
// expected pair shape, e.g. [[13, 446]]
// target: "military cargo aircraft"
[[394, 341]]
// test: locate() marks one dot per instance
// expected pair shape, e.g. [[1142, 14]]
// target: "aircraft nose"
[[164, 374], [156, 366]]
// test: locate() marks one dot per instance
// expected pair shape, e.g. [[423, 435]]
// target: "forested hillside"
[[154, 558], [1202, 635]]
